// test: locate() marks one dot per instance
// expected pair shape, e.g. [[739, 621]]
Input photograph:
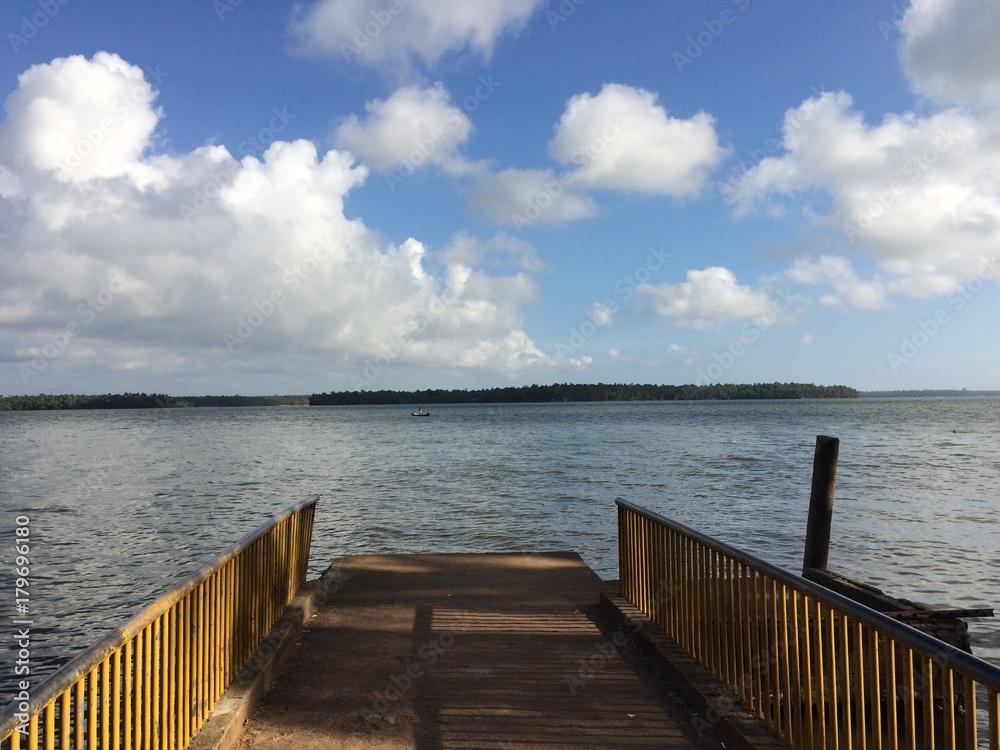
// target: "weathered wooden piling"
[[824, 477]]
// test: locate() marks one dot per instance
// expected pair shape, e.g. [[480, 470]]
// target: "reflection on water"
[[125, 503]]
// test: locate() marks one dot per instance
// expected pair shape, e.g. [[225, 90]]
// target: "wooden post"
[[824, 478]]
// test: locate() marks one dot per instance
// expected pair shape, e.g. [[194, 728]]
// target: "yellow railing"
[[821, 670], [152, 682]]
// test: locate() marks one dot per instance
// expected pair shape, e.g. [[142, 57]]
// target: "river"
[[121, 504]]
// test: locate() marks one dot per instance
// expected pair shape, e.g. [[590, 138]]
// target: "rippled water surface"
[[122, 504]]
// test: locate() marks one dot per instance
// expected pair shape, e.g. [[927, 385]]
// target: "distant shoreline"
[[557, 393], [946, 393], [581, 393]]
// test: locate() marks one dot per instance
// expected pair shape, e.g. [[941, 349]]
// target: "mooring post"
[[824, 477]]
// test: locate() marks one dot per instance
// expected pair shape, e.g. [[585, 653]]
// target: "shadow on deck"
[[469, 651]]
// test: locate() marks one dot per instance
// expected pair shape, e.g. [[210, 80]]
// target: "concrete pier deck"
[[469, 651]]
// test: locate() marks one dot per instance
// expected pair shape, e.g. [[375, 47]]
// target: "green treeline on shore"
[[581, 392], [140, 401], [523, 394]]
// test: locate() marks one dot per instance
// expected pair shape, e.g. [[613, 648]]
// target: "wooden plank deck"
[[468, 651]]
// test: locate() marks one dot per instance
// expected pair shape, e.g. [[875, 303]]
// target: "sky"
[[288, 198]]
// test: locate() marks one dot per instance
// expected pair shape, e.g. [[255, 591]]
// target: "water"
[[122, 504]]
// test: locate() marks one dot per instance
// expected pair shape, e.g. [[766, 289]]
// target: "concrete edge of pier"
[[225, 724], [716, 705]]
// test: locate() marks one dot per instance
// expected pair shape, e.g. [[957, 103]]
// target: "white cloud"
[[950, 49], [850, 290], [81, 119], [618, 356], [500, 250], [621, 139], [919, 195], [681, 354], [806, 339], [603, 315], [394, 35], [708, 298], [528, 196], [413, 128], [210, 269]]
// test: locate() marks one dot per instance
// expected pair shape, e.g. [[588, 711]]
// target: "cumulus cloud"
[[950, 50], [523, 197], [501, 250], [394, 35], [414, 127], [621, 139], [602, 314], [418, 127], [618, 356], [709, 298], [132, 265], [849, 289], [81, 119], [918, 194]]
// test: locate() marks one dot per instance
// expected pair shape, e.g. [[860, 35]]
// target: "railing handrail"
[[70, 672], [951, 656]]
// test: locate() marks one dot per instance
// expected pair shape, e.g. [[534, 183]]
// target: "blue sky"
[[239, 197]]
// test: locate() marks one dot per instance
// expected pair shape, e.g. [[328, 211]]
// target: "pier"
[[471, 651]]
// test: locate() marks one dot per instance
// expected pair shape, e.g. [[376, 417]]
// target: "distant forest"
[[140, 401], [525, 394], [578, 392]]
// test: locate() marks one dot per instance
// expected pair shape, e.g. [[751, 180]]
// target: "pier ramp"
[[469, 651]]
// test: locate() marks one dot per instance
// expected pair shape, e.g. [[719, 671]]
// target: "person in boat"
[[420, 410]]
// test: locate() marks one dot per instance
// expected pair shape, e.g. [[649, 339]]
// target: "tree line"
[[139, 401], [582, 392], [514, 394]]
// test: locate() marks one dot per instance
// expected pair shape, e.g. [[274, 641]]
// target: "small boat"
[[420, 412]]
